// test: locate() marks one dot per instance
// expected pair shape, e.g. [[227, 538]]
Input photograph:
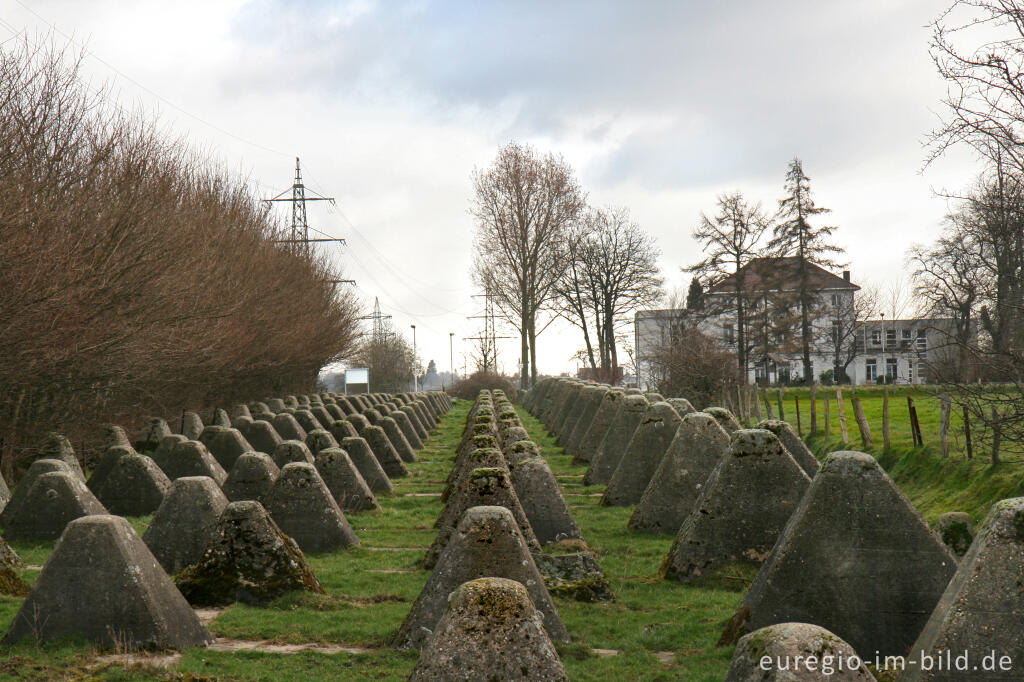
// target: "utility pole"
[[489, 337], [298, 232], [451, 355], [415, 379], [378, 321]]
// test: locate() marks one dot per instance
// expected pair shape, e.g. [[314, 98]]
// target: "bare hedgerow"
[[135, 276]]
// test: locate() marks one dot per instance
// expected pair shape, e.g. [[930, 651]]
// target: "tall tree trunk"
[[524, 351]]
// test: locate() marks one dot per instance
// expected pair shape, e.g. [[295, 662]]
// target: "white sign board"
[[357, 376]]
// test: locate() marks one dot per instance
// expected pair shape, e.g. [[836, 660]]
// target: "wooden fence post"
[[782, 409], [767, 403], [915, 425], [827, 430], [862, 422], [967, 433], [842, 416], [944, 425], [814, 408], [886, 430], [799, 426]]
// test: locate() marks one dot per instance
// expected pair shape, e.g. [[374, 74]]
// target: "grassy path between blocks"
[[655, 631]]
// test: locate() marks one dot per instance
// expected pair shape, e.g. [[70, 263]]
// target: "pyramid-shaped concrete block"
[[643, 456], [220, 418], [342, 429], [572, 415], [358, 421], [385, 453], [106, 463], [103, 584], [240, 410], [55, 499], [189, 458], [616, 440], [397, 438], [307, 421], [482, 487], [11, 584], [698, 446], [592, 399], [251, 478], [191, 425], [956, 531], [512, 434], [856, 558], [149, 437], [407, 429], [322, 415], [5, 494], [485, 455], [225, 444], [417, 423], [369, 468], [320, 439], [793, 443], [487, 543], [186, 523], [303, 507], [57, 446], [261, 435], [275, 404], [795, 652], [344, 481], [114, 435], [20, 492], [520, 450], [743, 508], [980, 609], [726, 418], [288, 428], [542, 501], [292, 451], [135, 486], [250, 560], [489, 631]]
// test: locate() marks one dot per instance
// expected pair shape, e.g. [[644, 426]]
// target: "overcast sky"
[[658, 106]]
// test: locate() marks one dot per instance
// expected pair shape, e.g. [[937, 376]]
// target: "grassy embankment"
[[933, 484], [659, 630]]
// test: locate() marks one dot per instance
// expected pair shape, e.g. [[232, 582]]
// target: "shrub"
[[470, 387]]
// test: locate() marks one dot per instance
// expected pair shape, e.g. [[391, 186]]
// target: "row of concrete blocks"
[[837, 547]]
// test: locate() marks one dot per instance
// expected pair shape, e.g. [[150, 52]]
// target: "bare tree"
[[846, 334], [794, 235], [524, 204], [612, 271], [731, 241], [389, 357], [696, 367]]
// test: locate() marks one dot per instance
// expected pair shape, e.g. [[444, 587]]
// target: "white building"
[[865, 349]]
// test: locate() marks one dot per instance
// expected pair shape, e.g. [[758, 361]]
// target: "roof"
[[765, 274]]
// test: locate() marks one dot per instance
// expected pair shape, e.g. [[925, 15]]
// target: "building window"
[[905, 333], [870, 369], [837, 328], [890, 368], [876, 338], [910, 371], [727, 334], [835, 300], [922, 340], [890, 337]]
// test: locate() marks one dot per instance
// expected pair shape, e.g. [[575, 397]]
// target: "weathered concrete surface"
[[482, 457], [369, 468], [956, 530], [251, 478], [591, 440], [482, 487], [288, 428], [486, 543], [794, 444], [490, 631], [819, 653], [150, 437], [385, 453], [616, 440], [186, 523], [11, 584], [134, 486], [342, 429], [591, 401], [261, 436], [575, 576], [103, 584], [682, 406], [57, 446], [55, 499], [698, 446], [250, 560], [188, 458], [344, 481], [105, 464], [20, 493], [981, 609], [542, 501], [303, 507], [408, 430], [225, 444], [191, 425], [320, 439], [5, 494], [422, 432], [397, 438], [726, 418], [743, 508], [856, 558], [520, 450], [292, 451], [643, 456]]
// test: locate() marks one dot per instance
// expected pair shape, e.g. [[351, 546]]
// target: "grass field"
[[934, 484], [654, 631]]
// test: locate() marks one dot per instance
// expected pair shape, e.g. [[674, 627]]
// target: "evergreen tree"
[[810, 245]]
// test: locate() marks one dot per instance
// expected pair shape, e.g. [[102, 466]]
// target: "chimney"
[[846, 276]]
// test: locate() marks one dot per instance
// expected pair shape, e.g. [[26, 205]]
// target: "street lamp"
[[451, 355], [415, 380]]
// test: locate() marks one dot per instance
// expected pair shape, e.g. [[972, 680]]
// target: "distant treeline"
[[136, 277]]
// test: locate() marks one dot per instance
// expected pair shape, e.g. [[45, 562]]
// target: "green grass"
[[369, 593]]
